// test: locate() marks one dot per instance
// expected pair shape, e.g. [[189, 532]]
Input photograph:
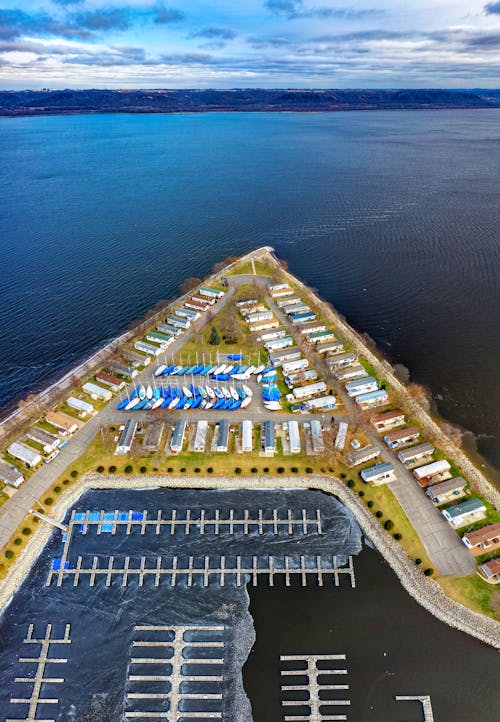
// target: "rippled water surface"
[[393, 216]]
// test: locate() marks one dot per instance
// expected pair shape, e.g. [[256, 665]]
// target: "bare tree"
[[189, 284]]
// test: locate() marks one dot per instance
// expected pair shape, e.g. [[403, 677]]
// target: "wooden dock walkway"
[[425, 700], [205, 569], [320, 705], [39, 679]]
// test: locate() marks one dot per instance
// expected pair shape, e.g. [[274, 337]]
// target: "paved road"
[[443, 546]]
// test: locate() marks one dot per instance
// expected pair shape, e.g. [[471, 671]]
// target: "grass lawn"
[[474, 593], [261, 269]]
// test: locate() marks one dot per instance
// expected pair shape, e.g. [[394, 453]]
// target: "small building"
[[318, 444], [381, 473], [162, 339], [490, 571], [26, 454], [10, 474], [372, 398], [264, 325], [340, 439], [290, 367], [122, 369], [65, 423], [196, 305], [414, 453], [320, 336], [222, 443], [271, 335], [294, 437], [300, 307], [111, 381], [447, 490], [279, 343], [246, 435], [329, 348], [207, 292], [147, 348], [465, 512], [269, 437], [168, 329], [299, 318], [312, 327], [388, 419], [301, 377], [273, 287], [285, 355], [83, 407], [127, 437], [361, 456], [256, 317], [289, 301], [177, 440], [136, 359], [246, 302], [483, 540], [97, 392], [200, 437], [342, 359], [361, 386], [204, 299], [304, 392], [182, 323], [49, 442], [320, 403], [189, 313], [153, 436], [353, 371], [425, 474], [283, 292], [398, 437]]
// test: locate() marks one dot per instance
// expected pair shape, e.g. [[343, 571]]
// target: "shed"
[[127, 437], [381, 473], [24, 453], [294, 437], [446, 490], [246, 435], [10, 474], [465, 512], [269, 437], [222, 443], [177, 440]]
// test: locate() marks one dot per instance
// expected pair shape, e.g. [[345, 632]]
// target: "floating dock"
[[307, 667], [39, 680], [205, 569], [156, 684], [425, 700]]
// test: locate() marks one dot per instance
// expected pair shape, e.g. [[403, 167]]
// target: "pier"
[[38, 679], [307, 668], [157, 691], [425, 700], [205, 569]]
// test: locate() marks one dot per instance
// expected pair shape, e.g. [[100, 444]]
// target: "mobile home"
[[169, 329], [381, 473], [318, 443], [278, 343], [465, 512], [361, 386], [414, 453], [290, 367], [110, 381], [361, 456], [182, 323], [65, 423], [299, 318], [97, 392], [424, 474], [210, 292], [294, 437], [222, 443], [269, 437], [304, 392], [323, 402], [178, 434], [127, 437], [136, 359], [122, 369], [200, 437], [396, 438], [10, 474], [26, 454], [447, 490], [342, 359], [49, 442], [388, 419], [373, 398], [147, 348], [286, 355], [246, 435]]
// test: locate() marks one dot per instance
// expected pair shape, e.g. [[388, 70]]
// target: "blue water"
[[393, 216]]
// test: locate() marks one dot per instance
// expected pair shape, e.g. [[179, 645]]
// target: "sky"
[[249, 43]]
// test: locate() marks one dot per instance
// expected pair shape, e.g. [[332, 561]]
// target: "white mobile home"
[[312, 327], [347, 373], [83, 407], [200, 438], [329, 348], [361, 386], [210, 292], [190, 314], [342, 359], [26, 454], [361, 456], [169, 329], [222, 443], [304, 392], [289, 301], [320, 336], [290, 367], [127, 437], [182, 323], [259, 316], [279, 343], [286, 355], [447, 490], [49, 442], [398, 437], [381, 473], [178, 434], [427, 472], [64, 422], [97, 392], [147, 348], [269, 437], [136, 359], [246, 435], [465, 512], [372, 398], [273, 287], [10, 475], [414, 453], [294, 437], [323, 402], [318, 443], [271, 335], [264, 325]]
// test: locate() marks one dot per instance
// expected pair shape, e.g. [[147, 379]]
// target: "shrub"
[[143, 469], [350, 484], [197, 469], [182, 469], [73, 473], [18, 541], [100, 469], [397, 536], [265, 469], [254, 470], [418, 560], [388, 525], [9, 554], [237, 470], [48, 501], [57, 489], [361, 493], [429, 572], [280, 469], [65, 482], [128, 469], [26, 531], [331, 469], [379, 514], [343, 475], [309, 470], [369, 504], [210, 470], [323, 470], [155, 468], [294, 469], [112, 469], [170, 470]]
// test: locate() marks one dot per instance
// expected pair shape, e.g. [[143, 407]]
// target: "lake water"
[[392, 216], [391, 645]]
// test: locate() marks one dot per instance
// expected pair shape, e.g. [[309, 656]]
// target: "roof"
[[465, 507], [365, 381], [10, 473], [437, 467], [377, 470], [493, 566], [491, 531], [388, 416], [445, 487], [364, 454], [398, 434], [424, 449]]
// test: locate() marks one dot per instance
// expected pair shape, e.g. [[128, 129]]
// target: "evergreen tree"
[[214, 339]]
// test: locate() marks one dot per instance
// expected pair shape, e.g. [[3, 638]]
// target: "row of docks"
[[175, 672], [313, 688], [42, 443], [223, 436], [201, 572]]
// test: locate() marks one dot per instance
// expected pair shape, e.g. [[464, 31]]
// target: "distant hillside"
[[51, 102]]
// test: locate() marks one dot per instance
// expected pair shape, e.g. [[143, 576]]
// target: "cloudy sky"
[[249, 43]]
